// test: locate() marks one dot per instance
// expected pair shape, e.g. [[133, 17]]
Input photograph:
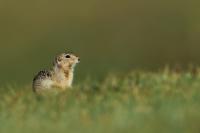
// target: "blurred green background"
[[108, 35]]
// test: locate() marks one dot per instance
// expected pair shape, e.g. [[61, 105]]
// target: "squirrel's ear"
[[57, 61]]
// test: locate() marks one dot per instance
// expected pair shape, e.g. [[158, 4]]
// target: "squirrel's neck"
[[63, 77]]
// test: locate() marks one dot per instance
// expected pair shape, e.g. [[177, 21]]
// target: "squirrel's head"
[[66, 61]]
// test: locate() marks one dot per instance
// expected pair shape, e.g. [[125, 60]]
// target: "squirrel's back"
[[42, 80]]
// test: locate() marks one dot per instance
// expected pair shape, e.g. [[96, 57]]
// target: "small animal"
[[60, 77]]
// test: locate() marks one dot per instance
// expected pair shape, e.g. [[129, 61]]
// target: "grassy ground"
[[136, 102]]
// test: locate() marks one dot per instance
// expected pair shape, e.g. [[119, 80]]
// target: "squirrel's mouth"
[[79, 60]]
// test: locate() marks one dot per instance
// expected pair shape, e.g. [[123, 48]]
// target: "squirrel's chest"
[[63, 81]]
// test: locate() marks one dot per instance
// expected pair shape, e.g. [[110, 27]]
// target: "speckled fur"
[[60, 77]]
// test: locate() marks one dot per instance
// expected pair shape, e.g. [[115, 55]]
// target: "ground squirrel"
[[60, 77]]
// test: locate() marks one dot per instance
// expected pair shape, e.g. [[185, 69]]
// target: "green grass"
[[140, 101]]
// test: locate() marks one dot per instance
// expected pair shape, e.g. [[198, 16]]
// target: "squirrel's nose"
[[79, 59]]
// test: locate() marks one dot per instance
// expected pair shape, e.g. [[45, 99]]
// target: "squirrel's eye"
[[67, 56]]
